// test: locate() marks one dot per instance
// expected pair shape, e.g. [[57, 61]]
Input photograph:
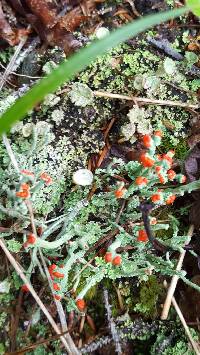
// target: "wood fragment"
[[145, 100], [195, 346], [166, 47], [6, 31], [174, 280], [19, 271]]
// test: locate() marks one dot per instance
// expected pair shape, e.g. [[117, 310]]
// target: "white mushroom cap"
[[102, 32], [83, 177]]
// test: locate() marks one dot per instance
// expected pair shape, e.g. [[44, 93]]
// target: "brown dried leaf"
[[56, 30], [192, 164], [91, 323], [6, 31], [194, 137], [192, 169], [190, 302]]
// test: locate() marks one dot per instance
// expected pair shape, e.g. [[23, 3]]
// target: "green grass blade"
[[194, 5], [67, 70]]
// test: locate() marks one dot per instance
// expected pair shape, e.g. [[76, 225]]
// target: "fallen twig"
[[174, 280], [61, 313], [145, 100], [113, 329], [185, 326], [166, 47], [32, 291]]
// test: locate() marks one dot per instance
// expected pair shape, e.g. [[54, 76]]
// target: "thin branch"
[[34, 294], [21, 75], [11, 154], [145, 100], [113, 329], [174, 280], [61, 313], [12, 61], [185, 326]]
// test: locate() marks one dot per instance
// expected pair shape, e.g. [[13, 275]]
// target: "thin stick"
[[12, 61], [34, 294], [174, 280], [144, 100], [71, 348], [111, 323], [185, 326], [61, 313], [10, 153]]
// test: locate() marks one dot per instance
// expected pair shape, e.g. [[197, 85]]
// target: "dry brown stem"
[[145, 100], [174, 280]]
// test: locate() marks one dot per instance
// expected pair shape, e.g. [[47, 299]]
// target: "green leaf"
[[194, 5], [67, 70]]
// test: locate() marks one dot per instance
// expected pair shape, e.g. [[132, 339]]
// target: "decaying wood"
[[6, 32], [185, 326], [54, 28], [174, 280]]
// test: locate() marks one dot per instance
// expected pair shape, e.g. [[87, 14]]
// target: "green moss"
[[181, 148], [150, 292]]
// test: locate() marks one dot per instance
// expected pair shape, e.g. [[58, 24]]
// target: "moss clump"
[[181, 149], [150, 292]]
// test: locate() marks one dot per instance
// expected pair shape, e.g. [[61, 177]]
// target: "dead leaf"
[[51, 26], [190, 302], [192, 164], [192, 169], [91, 323], [194, 136], [6, 31]]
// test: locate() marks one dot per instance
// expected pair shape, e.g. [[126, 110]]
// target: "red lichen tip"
[[158, 168], [57, 297], [80, 304], [31, 238], [156, 198], [162, 179], [120, 192], [51, 268], [117, 260], [58, 274], [158, 133], [25, 186], [146, 161], [171, 153], [170, 199], [167, 159], [147, 141], [140, 180], [25, 288], [46, 178], [56, 287], [171, 174], [142, 236], [27, 172], [23, 194], [108, 257]]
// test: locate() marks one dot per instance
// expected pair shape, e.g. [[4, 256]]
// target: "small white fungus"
[[83, 177], [102, 32]]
